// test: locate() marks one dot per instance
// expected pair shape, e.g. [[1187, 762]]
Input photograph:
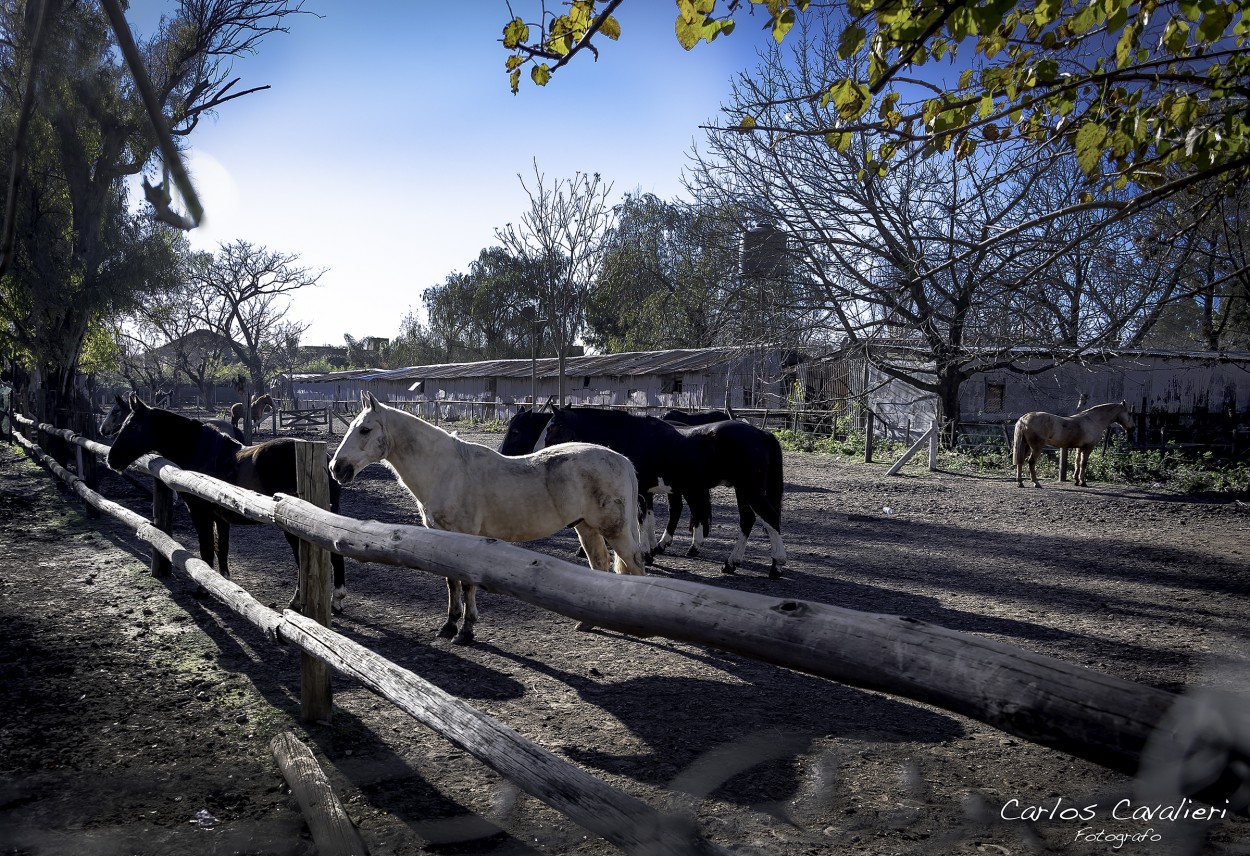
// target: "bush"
[[1170, 468]]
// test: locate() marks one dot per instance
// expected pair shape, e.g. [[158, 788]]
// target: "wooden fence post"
[[933, 447], [312, 484], [162, 519], [868, 429]]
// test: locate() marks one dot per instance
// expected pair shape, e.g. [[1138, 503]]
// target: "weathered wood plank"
[[1042, 699], [331, 828], [618, 817], [312, 482]]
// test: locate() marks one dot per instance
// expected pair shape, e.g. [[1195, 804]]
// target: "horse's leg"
[[1082, 458], [674, 517], [594, 545], [454, 609], [465, 636], [223, 545], [340, 584], [296, 603], [770, 519], [648, 525], [1034, 454]]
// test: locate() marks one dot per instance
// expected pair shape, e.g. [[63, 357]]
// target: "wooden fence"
[[1112, 722]]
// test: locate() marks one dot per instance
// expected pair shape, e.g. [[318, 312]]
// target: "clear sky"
[[388, 148]]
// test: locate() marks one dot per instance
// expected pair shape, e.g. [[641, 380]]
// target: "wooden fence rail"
[[618, 817], [1112, 722]]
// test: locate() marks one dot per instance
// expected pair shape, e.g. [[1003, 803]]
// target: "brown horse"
[[260, 404], [1082, 431]]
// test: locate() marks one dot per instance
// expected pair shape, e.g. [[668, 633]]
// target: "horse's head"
[[364, 443], [136, 436], [523, 432], [561, 429], [1125, 419], [115, 417]]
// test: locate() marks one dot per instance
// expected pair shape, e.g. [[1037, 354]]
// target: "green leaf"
[[1046, 11], [782, 25], [1215, 22], [1089, 143], [540, 74], [1089, 17], [514, 80], [610, 28], [838, 140], [851, 41], [850, 98], [514, 33]]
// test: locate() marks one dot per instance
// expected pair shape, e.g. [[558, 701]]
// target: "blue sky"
[[388, 148]]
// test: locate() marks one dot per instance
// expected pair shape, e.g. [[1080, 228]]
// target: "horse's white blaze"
[[541, 442]]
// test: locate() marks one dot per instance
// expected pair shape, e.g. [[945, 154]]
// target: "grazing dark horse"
[[260, 404], [121, 409], [704, 417], [1082, 431], [690, 461], [266, 468]]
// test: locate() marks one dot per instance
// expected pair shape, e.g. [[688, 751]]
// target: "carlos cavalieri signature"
[[1125, 809]]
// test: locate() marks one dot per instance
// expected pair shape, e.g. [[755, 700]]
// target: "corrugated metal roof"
[[632, 363]]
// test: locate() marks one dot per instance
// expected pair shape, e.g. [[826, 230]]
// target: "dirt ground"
[[137, 715]]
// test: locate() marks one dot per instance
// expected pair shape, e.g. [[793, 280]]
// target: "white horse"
[[470, 488]]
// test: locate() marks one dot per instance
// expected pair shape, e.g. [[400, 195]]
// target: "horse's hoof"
[[774, 573], [692, 552], [464, 637], [584, 626], [728, 569], [447, 631]]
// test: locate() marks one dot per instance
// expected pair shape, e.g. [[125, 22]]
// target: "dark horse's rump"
[[267, 468], [704, 417], [690, 460]]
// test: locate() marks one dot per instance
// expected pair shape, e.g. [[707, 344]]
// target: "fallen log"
[[331, 828]]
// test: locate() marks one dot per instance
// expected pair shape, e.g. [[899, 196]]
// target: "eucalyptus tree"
[[76, 125], [669, 277]]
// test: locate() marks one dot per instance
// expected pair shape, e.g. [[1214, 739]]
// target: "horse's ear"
[[121, 402], [136, 403], [367, 400]]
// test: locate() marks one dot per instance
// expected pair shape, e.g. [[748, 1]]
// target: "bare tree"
[[244, 293], [560, 239], [956, 259]]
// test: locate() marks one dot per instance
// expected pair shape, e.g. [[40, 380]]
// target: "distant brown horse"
[[1082, 431], [260, 404]]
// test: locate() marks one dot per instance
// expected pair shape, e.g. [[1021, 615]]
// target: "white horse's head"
[[364, 443]]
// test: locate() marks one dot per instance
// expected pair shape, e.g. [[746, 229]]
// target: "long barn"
[[690, 379]]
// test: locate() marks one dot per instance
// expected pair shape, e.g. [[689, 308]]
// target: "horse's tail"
[[1019, 450], [774, 483], [633, 519]]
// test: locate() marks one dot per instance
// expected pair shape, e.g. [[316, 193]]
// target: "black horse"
[[689, 460], [266, 468], [117, 414], [653, 448], [703, 417]]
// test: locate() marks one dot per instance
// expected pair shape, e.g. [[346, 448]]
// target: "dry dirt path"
[[132, 705]]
